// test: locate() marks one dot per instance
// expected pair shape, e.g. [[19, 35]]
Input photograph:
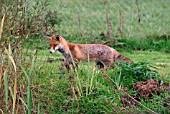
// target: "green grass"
[[41, 83], [150, 43], [49, 88], [55, 87], [160, 59]]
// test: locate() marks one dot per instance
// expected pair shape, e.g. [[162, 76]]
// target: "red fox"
[[102, 55]]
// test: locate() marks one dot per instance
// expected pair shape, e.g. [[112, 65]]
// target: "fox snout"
[[52, 51]]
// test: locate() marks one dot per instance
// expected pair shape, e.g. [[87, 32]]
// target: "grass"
[[152, 44], [87, 18], [37, 82], [156, 58], [47, 87], [159, 59], [55, 87]]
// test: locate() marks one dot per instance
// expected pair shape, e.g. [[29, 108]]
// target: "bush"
[[28, 18], [145, 44], [131, 73]]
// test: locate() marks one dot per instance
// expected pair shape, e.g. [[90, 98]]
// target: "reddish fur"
[[82, 52]]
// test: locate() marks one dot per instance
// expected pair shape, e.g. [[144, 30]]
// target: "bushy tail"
[[122, 58]]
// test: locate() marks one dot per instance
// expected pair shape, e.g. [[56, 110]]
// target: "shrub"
[[131, 73], [145, 44]]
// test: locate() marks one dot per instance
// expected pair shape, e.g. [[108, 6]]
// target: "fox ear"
[[47, 35], [57, 37]]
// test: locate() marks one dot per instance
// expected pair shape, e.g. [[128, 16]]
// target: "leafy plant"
[[131, 73]]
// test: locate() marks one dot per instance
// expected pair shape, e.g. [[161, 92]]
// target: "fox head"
[[55, 43]]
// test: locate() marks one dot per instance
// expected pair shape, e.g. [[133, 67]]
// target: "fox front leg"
[[68, 66]]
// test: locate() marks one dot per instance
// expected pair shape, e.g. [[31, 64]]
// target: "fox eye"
[[55, 45]]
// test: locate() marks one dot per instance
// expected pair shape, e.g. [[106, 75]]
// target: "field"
[[52, 86], [88, 18], [33, 81]]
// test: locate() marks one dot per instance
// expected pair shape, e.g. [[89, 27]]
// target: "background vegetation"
[[33, 81]]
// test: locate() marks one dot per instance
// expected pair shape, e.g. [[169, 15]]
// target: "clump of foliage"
[[131, 73], [28, 20], [157, 43]]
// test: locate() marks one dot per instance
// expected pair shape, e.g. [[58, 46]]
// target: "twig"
[[121, 24], [136, 2], [1, 111], [79, 23], [108, 21], [139, 19]]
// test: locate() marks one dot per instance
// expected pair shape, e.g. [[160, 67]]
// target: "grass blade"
[[91, 82], [6, 90], [11, 92], [15, 92], [1, 111], [11, 58], [38, 108], [32, 65], [89, 73], [23, 102], [29, 97], [1, 28]]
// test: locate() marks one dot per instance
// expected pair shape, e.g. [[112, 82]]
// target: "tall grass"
[[29, 95], [21, 20], [6, 90], [15, 94], [11, 73]]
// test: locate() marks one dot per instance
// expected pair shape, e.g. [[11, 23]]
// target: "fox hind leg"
[[104, 64], [100, 65]]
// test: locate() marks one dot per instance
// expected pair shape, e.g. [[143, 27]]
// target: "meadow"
[[34, 81]]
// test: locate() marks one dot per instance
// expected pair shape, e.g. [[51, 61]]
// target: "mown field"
[[33, 81]]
